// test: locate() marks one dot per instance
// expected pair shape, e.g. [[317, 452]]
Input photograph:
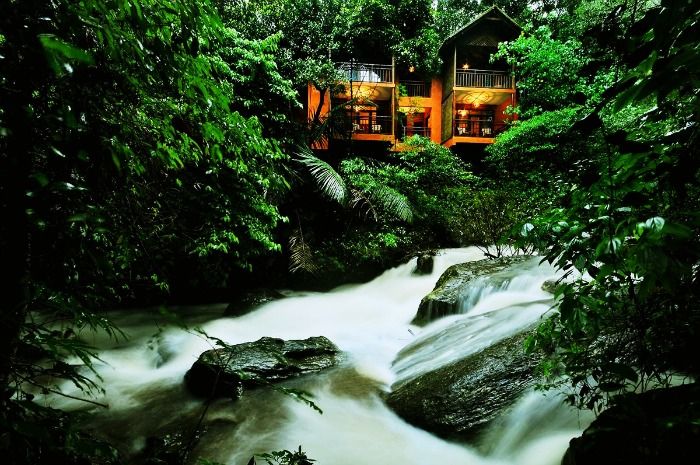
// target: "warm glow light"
[[477, 98], [411, 69], [362, 93], [465, 66]]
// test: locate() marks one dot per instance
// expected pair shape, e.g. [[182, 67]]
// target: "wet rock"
[[657, 427], [459, 400], [551, 286], [446, 297], [226, 372], [251, 300], [424, 263]]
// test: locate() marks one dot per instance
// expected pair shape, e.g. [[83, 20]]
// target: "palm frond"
[[301, 256], [328, 181], [393, 202], [360, 201]]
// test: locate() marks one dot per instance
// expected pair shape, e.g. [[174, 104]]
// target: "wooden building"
[[465, 104]]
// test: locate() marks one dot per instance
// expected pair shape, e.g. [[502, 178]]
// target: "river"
[[143, 376]]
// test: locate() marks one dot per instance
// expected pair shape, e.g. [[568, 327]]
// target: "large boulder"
[[226, 372], [447, 298], [459, 400], [657, 427]]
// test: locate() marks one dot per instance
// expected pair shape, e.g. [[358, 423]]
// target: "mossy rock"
[[551, 286], [446, 297], [226, 372]]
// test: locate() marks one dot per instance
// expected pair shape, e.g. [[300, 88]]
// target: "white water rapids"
[[371, 324]]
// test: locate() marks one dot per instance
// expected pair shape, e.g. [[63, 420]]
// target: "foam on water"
[[371, 323]]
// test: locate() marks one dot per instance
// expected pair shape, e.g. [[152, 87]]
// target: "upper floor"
[[476, 90]]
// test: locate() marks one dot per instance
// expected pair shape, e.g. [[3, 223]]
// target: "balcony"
[[370, 125], [484, 79], [473, 127], [366, 72], [415, 89]]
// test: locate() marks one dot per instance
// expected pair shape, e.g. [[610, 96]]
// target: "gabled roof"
[[492, 12]]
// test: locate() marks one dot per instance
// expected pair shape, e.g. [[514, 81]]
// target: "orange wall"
[[313, 100], [436, 114]]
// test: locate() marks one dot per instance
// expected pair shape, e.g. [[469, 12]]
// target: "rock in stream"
[[424, 263], [459, 400], [660, 426], [446, 297], [227, 371]]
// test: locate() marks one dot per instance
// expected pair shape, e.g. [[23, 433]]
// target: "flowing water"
[[370, 322]]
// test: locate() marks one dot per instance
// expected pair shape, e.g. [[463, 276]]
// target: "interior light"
[[411, 69], [465, 66]]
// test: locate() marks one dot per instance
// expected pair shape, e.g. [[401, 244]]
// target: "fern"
[[393, 202], [328, 181], [301, 257]]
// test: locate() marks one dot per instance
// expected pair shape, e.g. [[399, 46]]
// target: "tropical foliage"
[[625, 231]]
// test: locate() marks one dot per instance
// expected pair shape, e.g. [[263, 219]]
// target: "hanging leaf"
[[393, 202], [328, 181], [301, 257]]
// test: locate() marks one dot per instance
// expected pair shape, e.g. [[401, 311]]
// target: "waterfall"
[[370, 323], [488, 313]]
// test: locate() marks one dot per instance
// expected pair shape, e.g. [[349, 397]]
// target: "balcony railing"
[[370, 125], [477, 128], [416, 131], [415, 89], [483, 78], [366, 72]]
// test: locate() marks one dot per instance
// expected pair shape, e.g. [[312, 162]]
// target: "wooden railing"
[[483, 78], [416, 131], [366, 72], [415, 89], [477, 127], [370, 125]]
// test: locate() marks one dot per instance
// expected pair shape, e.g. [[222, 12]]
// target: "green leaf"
[[393, 202], [623, 371], [329, 182], [655, 224], [60, 53], [677, 230]]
